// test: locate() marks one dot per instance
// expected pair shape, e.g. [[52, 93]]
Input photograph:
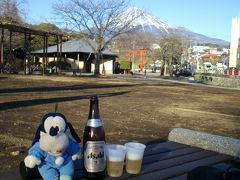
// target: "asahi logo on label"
[[94, 122], [94, 156]]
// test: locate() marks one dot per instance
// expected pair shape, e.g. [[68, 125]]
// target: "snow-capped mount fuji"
[[144, 22]]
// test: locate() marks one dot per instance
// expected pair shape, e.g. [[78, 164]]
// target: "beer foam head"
[[135, 151], [115, 152], [134, 155], [115, 158], [135, 145]]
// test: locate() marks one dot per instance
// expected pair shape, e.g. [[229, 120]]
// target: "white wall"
[[108, 66], [75, 64]]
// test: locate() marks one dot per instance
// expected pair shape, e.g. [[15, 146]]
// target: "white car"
[[208, 67]]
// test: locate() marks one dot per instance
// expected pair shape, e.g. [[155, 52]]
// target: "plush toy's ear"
[[73, 133], [37, 135]]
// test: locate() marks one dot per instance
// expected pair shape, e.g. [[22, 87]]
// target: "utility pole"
[[133, 57]]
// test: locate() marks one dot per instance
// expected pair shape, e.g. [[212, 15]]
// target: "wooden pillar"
[[46, 46], [24, 54], [29, 52], [78, 58], [60, 47], [60, 54], [10, 47], [54, 59], [44, 54], [57, 54], [1, 46]]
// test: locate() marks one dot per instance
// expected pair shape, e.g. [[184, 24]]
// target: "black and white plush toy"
[[53, 150]]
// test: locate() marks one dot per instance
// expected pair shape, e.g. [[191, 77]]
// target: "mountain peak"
[[144, 20], [146, 23]]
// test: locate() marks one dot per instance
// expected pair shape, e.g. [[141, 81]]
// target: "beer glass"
[[134, 156], [115, 159]]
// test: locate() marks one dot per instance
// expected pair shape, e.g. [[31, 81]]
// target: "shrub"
[[125, 66]]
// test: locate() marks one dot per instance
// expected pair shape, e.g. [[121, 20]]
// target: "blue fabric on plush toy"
[[53, 150]]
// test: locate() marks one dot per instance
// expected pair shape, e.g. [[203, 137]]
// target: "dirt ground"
[[132, 110]]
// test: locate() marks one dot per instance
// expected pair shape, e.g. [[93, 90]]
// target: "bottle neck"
[[94, 109]]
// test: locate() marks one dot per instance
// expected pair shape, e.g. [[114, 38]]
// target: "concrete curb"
[[220, 144]]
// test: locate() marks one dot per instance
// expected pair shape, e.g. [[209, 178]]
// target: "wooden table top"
[[165, 160], [170, 160]]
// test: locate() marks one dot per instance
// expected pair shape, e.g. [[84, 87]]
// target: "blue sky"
[[209, 17]]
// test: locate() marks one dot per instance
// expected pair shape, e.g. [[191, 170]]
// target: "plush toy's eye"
[[59, 121], [56, 121], [48, 123]]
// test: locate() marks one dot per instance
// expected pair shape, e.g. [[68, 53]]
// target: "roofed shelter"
[[78, 52], [27, 39]]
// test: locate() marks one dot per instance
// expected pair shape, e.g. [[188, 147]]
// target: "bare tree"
[[100, 20], [10, 11], [170, 50]]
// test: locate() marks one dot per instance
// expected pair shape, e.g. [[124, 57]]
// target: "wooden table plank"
[[176, 161], [168, 163], [163, 147], [170, 154], [181, 177], [183, 168]]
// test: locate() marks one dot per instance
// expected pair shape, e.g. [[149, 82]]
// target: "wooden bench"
[[170, 160]]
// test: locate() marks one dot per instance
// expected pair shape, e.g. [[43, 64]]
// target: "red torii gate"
[[137, 52]]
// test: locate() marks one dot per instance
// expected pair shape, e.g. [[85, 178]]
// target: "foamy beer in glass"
[[115, 159], [134, 157]]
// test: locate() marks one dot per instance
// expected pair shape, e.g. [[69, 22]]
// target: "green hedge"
[[125, 65]]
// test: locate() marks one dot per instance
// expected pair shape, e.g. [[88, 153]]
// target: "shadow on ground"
[[63, 88], [24, 103]]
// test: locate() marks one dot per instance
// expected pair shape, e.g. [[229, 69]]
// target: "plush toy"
[[53, 150]]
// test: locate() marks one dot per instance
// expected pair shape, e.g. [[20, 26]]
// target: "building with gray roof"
[[79, 53]]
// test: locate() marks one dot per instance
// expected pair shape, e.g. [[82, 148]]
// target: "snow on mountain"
[[146, 23]]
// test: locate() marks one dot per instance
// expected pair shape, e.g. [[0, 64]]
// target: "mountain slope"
[[145, 23]]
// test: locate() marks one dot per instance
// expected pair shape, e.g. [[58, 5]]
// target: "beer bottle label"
[[94, 123], [94, 156]]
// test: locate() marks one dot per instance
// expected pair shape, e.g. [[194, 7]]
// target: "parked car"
[[208, 67], [185, 72]]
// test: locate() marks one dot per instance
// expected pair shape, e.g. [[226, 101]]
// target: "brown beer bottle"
[[94, 144]]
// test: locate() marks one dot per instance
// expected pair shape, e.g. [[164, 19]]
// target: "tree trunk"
[[162, 67], [97, 64], [165, 69]]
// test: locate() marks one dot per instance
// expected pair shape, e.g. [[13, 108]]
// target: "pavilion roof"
[[74, 46]]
